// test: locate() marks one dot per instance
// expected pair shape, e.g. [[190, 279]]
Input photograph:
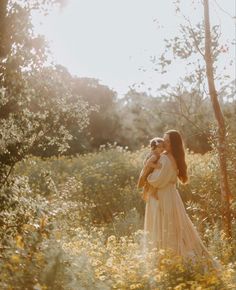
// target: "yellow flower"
[[19, 242], [135, 286], [157, 278], [15, 258], [39, 287], [95, 263], [179, 287]]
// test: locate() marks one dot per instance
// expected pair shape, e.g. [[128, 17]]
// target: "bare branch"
[[194, 38], [223, 10]]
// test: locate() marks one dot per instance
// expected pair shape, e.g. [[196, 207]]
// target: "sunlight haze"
[[113, 40]]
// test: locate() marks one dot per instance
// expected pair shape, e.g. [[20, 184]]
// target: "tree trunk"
[[226, 195], [3, 13]]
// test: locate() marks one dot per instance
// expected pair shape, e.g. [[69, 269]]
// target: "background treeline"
[[135, 118]]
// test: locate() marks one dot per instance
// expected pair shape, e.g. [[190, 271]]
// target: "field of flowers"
[[77, 223]]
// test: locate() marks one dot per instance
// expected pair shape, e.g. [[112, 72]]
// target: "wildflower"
[[15, 258], [180, 286], [112, 238], [95, 263], [102, 278], [100, 233], [161, 252], [157, 278], [19, 242], [39, 287], [109, 262], [135, 286]]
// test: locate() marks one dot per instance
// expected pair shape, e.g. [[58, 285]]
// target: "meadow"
[[77, 223]]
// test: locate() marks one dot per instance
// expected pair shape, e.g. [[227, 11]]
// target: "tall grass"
[[77, 223]]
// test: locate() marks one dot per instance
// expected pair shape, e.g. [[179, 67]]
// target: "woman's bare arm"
[[152, 162]]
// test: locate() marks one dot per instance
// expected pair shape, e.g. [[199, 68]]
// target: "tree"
[[104, 125], [221, 130], [137, 111], [145, 116], [185, 109], [37, 104]]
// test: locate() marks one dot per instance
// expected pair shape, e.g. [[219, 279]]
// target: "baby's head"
[[157, 145]]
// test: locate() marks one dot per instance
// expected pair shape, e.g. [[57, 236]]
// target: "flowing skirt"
[[169, 226]]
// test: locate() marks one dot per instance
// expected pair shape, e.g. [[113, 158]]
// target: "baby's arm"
[[152, 162], [148, 156]]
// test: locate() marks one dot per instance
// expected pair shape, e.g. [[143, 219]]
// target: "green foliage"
[[104, 124], [183, 107], [23, 229], [67, 232], [106, 180], [37, 104], [140, 119], [203, 187], [99, 179]]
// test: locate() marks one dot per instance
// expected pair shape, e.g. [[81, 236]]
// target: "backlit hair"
[[177, 150]]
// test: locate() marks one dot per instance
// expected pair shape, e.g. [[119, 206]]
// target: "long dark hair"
[[177, 149]]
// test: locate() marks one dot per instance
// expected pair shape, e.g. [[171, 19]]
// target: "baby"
[[150, 163]]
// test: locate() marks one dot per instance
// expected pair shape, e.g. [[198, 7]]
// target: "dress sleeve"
[[160, 178]]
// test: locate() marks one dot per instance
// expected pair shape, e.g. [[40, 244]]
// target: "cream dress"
[[166, 219]]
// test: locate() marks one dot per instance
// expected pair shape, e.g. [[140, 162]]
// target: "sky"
[[112, 40]]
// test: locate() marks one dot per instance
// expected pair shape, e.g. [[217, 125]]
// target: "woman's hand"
[[144, 196], [155, 195], [154, 192]]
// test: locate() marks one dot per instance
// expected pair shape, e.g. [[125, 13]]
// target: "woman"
[[166, 219]]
